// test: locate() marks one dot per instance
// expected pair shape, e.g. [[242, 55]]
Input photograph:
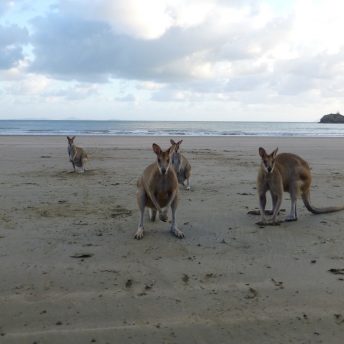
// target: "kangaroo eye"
[[168, 161], [159, 160]]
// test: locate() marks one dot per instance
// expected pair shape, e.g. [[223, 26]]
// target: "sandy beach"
[[72, 272]]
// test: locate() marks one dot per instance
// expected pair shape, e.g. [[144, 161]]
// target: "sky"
[[223, 60]]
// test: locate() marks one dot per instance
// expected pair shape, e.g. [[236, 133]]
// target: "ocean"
[[172, 129]]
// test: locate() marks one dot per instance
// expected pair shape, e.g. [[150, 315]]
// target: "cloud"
[[73, 48], [142, 19], [12, 39], [5, 5], [308, 73], [71, 45], [178, 51], [74, 92], [30, 85]]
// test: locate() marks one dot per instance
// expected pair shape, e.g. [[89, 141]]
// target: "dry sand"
[[228, 281]]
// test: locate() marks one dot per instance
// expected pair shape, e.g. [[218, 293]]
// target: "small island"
[[332, 118]]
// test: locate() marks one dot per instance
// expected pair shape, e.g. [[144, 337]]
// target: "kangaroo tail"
[[315, 210]]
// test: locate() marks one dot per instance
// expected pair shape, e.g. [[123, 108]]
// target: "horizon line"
[[149, 120]]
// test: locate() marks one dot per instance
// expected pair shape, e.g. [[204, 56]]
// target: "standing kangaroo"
[[181, 165], [285, 172], [157, 189], [77, 156]]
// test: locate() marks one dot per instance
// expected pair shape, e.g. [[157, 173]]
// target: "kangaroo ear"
[[172, 142], [156, 149], [172, 149], [73, 138], [68, 138], [178, 144], [274, 153], [262, 152]]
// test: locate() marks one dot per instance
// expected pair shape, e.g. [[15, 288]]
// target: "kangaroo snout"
[[163, 170]]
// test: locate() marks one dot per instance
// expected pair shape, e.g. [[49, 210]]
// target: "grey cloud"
[[73, 48], [68, 47], [210, 90], [246, 82], [293, 85], [321, 66], [296, 76], [12, 34], [258, 79], [12, 39]]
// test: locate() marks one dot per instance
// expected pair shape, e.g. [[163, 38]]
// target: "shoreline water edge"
[[173, 129]]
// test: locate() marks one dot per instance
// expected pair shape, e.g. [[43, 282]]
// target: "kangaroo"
[[77, 155], [181, 165], [285, 172], [157, 189]]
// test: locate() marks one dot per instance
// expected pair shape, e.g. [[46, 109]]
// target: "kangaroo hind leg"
[[174, 229], [152, 214], [293, 190], [141, 202]]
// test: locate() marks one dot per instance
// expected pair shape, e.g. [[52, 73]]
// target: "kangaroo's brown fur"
[[77, 155], [157, 189], [181, 165], [285, 172]]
